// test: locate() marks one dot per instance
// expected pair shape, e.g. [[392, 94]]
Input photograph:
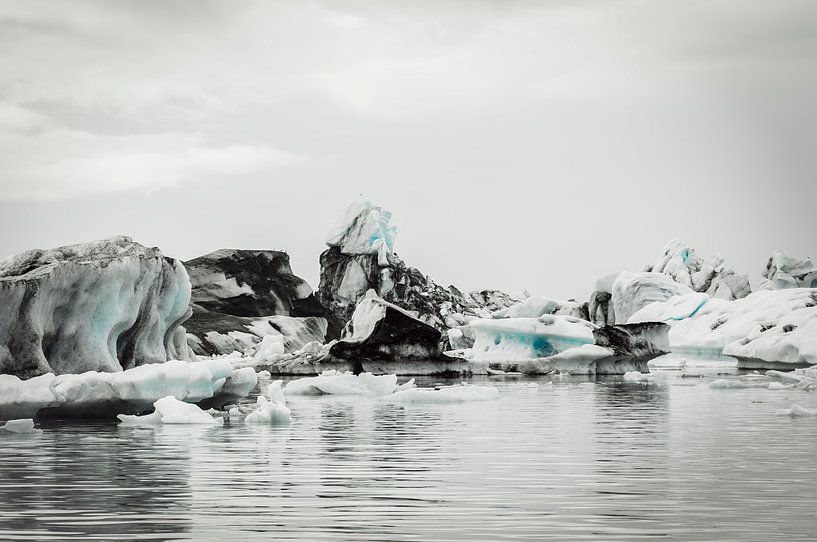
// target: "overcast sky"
[[534, 145]]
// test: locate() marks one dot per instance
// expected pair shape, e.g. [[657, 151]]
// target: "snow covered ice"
[[774, 328]]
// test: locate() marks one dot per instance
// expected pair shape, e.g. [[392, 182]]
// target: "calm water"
[[569, 461]]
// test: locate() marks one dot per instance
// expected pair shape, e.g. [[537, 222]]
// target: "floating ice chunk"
[[728, 383], [797, 411], [446, 394], [148, 420], [780, 386], [634, 376], [240, 383], [170, 410], [275, 392], [23, 426], [269, 413], [264, 375], [343, 383]]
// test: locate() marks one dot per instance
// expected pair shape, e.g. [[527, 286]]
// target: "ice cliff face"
[[241, 296], [783, 271], [379, 330], [361, 257], [102, 306]]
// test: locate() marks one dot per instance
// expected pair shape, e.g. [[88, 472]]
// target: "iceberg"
[[634, 291], [767, 329], [680, 262], [94, 395], [516, 339], [536, 306], [783, 271], [239, 297], [380, 330], [364, 229], [103, 306]]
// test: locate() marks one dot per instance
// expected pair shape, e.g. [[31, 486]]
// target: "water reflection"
[[571, 459], [72, 483]]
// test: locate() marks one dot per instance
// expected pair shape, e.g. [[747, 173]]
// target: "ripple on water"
[[668, 458]]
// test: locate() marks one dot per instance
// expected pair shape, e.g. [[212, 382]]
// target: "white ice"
[[344, 383], [797, 411], [445, 394], [21, 426], [169, 410], [188, 381], [517, 339], [776, 326], [634, 291], [272, 409], [364, 229]]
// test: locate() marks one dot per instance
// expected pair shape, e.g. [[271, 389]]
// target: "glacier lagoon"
[[554, 458]]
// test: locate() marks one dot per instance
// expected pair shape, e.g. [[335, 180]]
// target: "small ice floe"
[[445, 394], [780, 386], [533, 386], [345, 383], [748, 381], [635, 377], [272, 411], [797, 411], [264, 375], [21, 426], [170, 410]]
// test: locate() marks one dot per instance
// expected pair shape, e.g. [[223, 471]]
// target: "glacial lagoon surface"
[[554, 458]]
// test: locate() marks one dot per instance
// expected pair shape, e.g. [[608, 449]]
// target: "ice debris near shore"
[[169, 410], [767, 329], [272, 409], [101, 306], [92, 394]]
